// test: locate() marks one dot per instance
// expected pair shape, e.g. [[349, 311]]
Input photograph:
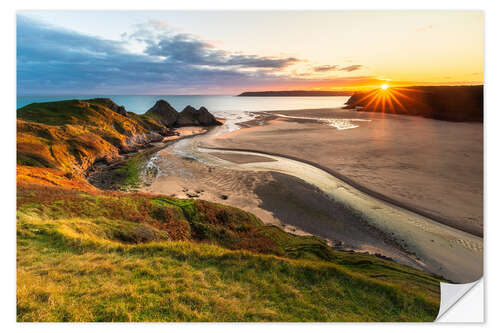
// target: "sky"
[[228, 52]]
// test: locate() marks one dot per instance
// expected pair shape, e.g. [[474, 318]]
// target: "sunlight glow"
[[384, 86], [387, 100]]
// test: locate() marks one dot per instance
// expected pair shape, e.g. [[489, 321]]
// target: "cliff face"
[[451, 103]]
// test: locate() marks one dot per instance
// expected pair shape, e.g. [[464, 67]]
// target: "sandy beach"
[[427, 165], [433, 166]]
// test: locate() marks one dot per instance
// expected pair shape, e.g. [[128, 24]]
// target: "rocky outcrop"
[[163, 112], [193, 117]]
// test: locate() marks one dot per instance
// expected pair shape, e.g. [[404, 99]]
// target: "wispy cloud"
[[326, 68], [331, 68], [351, 68]]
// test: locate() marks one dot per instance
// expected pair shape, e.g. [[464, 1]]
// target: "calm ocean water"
[[218, 104]]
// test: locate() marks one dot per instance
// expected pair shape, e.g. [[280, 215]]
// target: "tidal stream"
[[435, 247]]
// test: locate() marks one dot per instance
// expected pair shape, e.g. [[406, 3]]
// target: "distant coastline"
[[294, 93]]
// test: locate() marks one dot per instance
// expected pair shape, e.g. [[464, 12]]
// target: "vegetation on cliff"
[[72, 135]]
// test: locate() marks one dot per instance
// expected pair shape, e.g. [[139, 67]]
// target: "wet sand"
[[434, 166], [441, 174], [433, 246], [279, 199], [242, 158]]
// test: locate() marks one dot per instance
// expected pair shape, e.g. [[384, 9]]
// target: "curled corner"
[[451, 295]]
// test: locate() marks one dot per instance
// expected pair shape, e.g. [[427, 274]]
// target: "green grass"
[[130, 174], [54, 113], [82, 112], [130, 257]]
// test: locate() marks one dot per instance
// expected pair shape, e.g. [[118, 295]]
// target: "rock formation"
[[192, 117], [163, 112]]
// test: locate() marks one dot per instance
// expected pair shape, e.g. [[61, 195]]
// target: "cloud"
[[330, 68], [326, 68], [187, 49], [351, 68], [51, 60]]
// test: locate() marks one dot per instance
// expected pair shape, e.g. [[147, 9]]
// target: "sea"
[[223, 106]]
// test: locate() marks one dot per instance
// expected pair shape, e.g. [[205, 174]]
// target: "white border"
[[492, 142]]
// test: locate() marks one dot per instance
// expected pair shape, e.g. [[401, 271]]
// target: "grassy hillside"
[[72, 135], [107, 256], [85, 254]]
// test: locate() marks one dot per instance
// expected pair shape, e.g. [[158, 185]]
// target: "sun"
[[384, 86]]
